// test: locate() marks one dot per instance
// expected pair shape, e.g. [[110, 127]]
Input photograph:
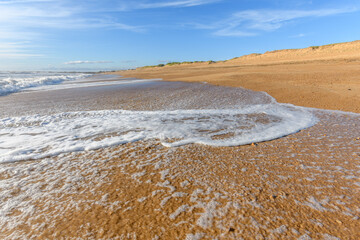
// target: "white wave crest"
[[11, 83], [33, 137]]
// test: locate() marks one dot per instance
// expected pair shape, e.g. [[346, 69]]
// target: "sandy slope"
[[322, 77]]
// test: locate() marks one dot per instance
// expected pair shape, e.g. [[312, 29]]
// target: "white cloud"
[[11, 34], [128, 61], [253, 22], [23, 1], [29, 20], [19, 55], [55, 14], [16, 49], [228, 32], [133, 5], [300, 35], [184, 3], [86, 62]]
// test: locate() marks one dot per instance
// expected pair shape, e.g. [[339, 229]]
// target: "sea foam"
[[38, 136], [15, 82]]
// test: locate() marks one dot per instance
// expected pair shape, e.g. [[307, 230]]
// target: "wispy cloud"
[[19, 55], [29, 20], [254, 22], [128, 61], [86, 62], [184, 3], [126, 6], [16, 49], [300, 35], [43, 14], [24, 1]]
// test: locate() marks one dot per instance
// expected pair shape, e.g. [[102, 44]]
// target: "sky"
[[92, 35]]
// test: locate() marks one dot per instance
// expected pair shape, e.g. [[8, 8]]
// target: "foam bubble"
[[15, 82], [38, 136], [86, 83]]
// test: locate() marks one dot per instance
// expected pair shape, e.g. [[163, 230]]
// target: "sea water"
[[11, 82], [70, 177], [223, 118]]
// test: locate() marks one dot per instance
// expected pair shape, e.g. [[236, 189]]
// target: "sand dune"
[[301, 186], [348, 50], [325, 77]]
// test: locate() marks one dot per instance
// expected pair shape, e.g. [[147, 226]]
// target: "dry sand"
[[302, 186], [326, 77]]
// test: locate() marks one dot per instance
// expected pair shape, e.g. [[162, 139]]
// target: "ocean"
[[219, 119], [104, 157], [12, 82]]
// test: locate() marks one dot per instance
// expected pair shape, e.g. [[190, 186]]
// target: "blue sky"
[[109, 34]]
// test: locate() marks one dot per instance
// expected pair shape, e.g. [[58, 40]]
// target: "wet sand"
[[325, 77], [153, 95], [302, 186]]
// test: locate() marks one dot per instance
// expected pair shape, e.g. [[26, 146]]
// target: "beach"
[[325, 77], [212, 151]]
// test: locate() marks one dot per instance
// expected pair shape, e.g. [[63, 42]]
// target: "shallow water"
[[301, 186], [95, 183], [174, 113]]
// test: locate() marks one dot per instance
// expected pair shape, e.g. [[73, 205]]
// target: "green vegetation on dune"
[[173, 63], [179, 63]]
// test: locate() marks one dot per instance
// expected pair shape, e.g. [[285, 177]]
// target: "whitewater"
[[12, 82], [87, 150], [193, 113]]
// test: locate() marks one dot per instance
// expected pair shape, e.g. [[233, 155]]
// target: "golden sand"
[[325, 77], [302, 186]]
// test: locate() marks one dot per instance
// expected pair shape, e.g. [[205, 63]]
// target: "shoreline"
[[303, 185], [325, 77], [342, 96]]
